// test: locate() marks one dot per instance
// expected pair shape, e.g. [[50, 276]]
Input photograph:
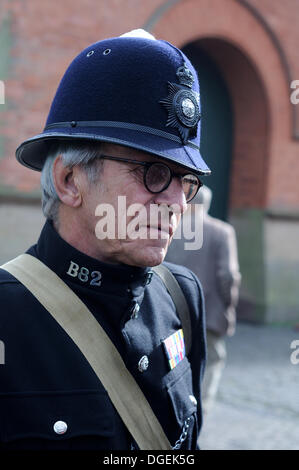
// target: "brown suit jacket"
[[216, 265]]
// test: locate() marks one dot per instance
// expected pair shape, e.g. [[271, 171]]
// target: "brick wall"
[[254, 31], [44, 36]]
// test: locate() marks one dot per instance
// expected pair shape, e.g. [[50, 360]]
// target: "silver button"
[[193, 399], [135, 311], [60, 427], [143, 364]]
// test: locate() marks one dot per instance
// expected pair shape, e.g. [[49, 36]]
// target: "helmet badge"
[[182, 104]]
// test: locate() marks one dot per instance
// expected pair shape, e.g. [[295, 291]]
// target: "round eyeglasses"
[[157, 177]]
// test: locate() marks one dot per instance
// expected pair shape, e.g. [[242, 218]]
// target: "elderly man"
[[95, 356]]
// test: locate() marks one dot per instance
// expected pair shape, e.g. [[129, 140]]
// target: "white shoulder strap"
[[79, 323]]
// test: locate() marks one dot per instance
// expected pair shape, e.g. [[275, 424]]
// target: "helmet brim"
[[33, 152]]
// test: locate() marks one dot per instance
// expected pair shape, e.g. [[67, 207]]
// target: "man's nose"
[[173, 196]]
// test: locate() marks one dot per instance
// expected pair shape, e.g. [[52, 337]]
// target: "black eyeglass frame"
[[148, 165]]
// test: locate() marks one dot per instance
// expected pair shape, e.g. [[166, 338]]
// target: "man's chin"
[[148, 257]]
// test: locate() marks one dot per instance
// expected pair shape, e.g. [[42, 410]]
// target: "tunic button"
[[135, 311], [60, 427], [193, 399], [143, 364]]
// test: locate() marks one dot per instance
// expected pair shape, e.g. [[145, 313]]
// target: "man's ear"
[[66, 182]]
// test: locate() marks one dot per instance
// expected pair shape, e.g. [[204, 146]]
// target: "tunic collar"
[[77, 268]]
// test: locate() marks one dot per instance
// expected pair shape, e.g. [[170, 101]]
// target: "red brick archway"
[[252, 67], [251, 123], [264, 149]]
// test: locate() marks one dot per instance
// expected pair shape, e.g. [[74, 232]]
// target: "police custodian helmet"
[[131, 90]]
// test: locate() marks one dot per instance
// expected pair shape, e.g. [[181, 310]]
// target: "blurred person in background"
[[216, 265]]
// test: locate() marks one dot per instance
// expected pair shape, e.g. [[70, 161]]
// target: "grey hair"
[[84, 154]]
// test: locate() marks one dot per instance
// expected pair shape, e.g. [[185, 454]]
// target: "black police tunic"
[[51, 399]]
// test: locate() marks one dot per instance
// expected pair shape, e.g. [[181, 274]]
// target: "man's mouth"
[[162, 228]]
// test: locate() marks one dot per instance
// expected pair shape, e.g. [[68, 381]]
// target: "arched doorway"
[[217, 127], [250, 55], [235, 145]]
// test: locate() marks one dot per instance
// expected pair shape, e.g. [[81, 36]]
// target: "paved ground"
[[258, 401]]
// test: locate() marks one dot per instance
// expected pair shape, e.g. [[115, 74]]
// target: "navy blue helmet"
[[132, 90]]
